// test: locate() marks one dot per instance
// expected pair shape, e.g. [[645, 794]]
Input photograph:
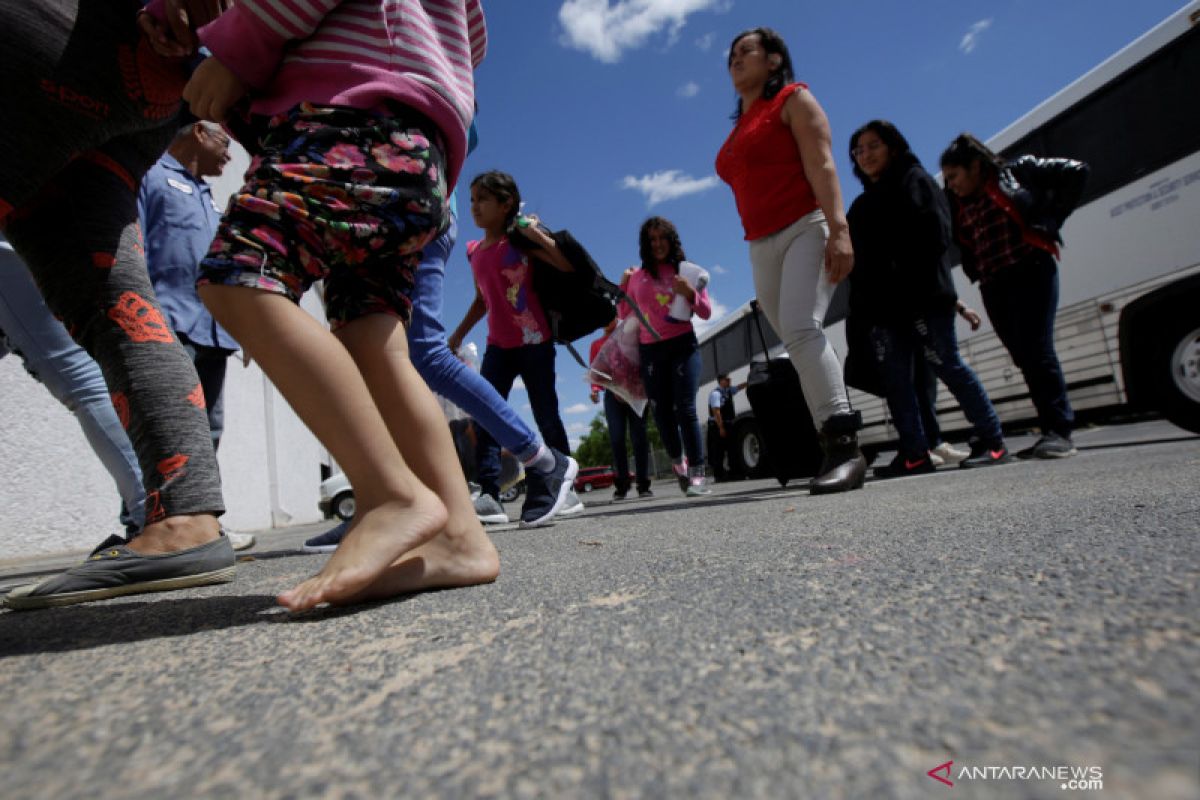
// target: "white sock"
[[543, 459]]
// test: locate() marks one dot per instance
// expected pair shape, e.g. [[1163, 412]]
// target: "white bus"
[[1128, 326]]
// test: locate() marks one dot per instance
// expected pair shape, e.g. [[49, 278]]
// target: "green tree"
[[595, 449]]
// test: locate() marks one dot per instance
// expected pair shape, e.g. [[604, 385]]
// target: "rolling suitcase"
[[786, 432]]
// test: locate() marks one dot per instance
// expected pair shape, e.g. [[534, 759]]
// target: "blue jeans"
[[1021, 304], [70, 375], [621, 418], [671, 373], [534, 365], [444, 372], [926, 383], [933, 337]]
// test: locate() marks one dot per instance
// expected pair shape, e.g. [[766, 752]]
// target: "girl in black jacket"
[[1006, 220], [900, 229]]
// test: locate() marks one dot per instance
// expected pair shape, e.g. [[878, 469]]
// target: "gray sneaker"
[[547, 493], [489, 510], [1052, 445], [573, 505], [113, 570]]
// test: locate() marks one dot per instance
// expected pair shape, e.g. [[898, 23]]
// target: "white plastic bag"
[[618, 366]]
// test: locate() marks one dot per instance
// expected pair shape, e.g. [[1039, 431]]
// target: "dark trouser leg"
[[894, 352], [1022, 307], [499, 368], [641, 448], [925, 383], [614, 413], [536, 363], [716, 452], [211, 363], [940, 344], [685, 374], [95, 280], [656, 375]]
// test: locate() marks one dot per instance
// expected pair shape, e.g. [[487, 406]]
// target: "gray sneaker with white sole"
[[489, 510], [113, 570]]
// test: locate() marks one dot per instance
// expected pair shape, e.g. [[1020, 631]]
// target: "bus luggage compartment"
[[787, 436]]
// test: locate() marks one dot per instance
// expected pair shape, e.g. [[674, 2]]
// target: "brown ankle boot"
[[844, 467]]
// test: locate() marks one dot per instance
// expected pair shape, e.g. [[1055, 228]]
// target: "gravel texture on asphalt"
[[759, 643]]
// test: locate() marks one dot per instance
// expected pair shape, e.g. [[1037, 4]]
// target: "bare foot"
[[379, 537], [448, 561], [176, 533]]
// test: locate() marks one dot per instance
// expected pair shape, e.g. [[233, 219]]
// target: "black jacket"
[[900, 228], [1039, 193]]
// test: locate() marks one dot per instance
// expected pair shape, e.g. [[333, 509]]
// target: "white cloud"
[[717, 268], [519, 385], [971, 37], [705, 42], [689, 89], [719, 310], [668, 185], [578, 427], [606, 30], [526, 407], [578, 408]]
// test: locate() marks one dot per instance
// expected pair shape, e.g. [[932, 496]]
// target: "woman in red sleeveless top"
[[779, 162]]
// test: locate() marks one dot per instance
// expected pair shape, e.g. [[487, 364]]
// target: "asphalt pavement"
[[1033, 624]]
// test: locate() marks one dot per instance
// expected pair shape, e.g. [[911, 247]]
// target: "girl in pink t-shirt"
[[670, 367], [519, 342]]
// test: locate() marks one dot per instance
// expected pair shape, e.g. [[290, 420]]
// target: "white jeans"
[[794, 293]]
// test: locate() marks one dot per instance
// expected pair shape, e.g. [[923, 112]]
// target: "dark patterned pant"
[[88, 108]]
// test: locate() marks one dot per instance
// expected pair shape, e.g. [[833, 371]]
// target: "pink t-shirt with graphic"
[[653, 294], [505, 279]]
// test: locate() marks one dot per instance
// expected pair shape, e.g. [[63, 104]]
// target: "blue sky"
[[607, 111]]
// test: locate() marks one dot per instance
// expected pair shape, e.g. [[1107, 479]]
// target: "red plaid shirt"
[[993, 237], [988, 228]]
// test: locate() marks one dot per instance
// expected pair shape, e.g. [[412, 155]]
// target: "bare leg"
[[462, 555], [321, 382], [180, 532]]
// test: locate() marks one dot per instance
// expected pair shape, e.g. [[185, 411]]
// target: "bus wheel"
[[746, 456], [1176, 372]]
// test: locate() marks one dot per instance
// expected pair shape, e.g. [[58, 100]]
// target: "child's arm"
[[547, 251], [476, 312], [701, 304], [247, 44], [169, 27]]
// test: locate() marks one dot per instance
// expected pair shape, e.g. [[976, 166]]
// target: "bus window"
[[732, 347], [1131, 127]]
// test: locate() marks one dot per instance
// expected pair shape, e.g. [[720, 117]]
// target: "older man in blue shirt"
[[179, 219]]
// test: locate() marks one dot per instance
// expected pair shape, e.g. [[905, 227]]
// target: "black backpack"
[[576, 303]]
